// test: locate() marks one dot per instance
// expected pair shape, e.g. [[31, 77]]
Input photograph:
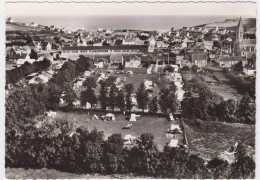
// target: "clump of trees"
[[244, 85], [14, 75], [50, 146], [22, 105], [200, 102]]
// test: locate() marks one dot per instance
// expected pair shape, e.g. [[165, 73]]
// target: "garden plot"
[[211, 139]]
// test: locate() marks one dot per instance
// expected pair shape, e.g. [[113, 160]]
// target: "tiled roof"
[[248, 41], [199, 56], [105, 47]]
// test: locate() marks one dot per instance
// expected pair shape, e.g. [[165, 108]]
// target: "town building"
[[242, 46], [224, 61], [71, 51], [199, 59]]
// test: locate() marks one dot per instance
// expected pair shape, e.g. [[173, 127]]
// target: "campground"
[[156, 125]]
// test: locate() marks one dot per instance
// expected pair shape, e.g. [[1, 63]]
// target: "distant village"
[[188, 46]]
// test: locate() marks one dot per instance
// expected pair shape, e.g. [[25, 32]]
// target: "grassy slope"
[[18, 173], [210, 139]]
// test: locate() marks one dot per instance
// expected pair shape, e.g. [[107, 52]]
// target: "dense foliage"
[[25, 103], [200, 102], [50, 146]]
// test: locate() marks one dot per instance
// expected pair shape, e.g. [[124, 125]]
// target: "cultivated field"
[[210, 139], [144, 124]]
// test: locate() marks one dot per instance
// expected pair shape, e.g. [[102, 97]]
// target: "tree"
[[145, 155], [112, 97], [142, 97], [246, 109], [238, 66], [172, 101], [88, 96], [129, 91], [244, 166], [194, 68], [185, 68], [220, 169], [113, 149], [103, 96], [153, 105], [196, 168], [168, 68], [226, 110], [120, 99], [167, 100], [33, 54], [173, 163], [70, 94], [90, 83], [216, 44], [163, 100]]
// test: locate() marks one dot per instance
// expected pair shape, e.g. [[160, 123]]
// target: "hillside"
[[20, 27], [228, 23]]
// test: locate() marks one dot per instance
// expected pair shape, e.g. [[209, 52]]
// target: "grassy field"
[[144, 124], [20, 173], [210, 139]]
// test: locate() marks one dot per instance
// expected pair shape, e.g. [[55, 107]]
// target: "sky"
[[137, 8]]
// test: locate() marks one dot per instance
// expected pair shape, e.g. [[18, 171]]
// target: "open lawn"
[[210, 139], [144, 124], [20, 173]]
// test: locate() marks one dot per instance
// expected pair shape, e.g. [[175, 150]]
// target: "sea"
[[123, 22]]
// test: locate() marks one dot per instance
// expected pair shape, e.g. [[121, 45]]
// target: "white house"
[[133, 62], [23, 59], [249, 71]]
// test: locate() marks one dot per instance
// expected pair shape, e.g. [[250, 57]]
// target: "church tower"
[[239, 38], [240, 31]]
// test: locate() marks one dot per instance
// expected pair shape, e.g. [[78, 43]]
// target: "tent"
[[133, 117], [110, 116], [76, 103], [175, 126], [129, 139], [173, 143], [171, 117], [51, 114], [95, 117], [88, 105]]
